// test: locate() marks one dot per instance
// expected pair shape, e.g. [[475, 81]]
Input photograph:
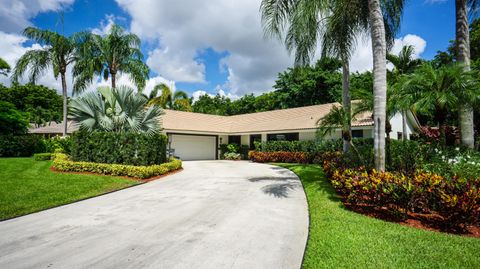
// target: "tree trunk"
[[113, 74], [64, 93], [462, 43], [379, 81], [346, 103], [404, 125]]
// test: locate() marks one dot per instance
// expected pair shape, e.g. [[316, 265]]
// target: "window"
[[283, 137], [357, 133], [399, 135], [234, 139], [253, 138]]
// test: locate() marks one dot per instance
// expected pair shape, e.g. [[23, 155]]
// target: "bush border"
[[62, 163]]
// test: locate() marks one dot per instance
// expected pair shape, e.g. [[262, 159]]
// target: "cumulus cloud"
[[15, 15], [186, 27]]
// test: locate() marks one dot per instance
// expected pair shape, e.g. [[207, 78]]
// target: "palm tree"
[[176, 101], [300, 23], [462, 43], [4, 67], [115, 110], [106, 56], [440, 91], [403, 63], [58, 52]]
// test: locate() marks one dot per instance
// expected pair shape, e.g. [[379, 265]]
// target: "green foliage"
[[176, 101], [12, 121], [4, 67], [62, 163], [41, 104], [20, 145], [58, 144], [106, 56], [232, 148], [115, 110], [42, 156], [119, 148], [279, 157], [232, 156]]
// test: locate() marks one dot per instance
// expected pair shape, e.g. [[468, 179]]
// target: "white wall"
[[245, 140], [396, 123]]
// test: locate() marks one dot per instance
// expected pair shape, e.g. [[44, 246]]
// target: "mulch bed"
[[430, 222], [142, 180]]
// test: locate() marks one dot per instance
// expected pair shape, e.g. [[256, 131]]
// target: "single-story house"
[[197, 136]]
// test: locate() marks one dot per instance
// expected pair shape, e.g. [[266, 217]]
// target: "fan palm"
[[107, 56], [4, 67], [302, 22], [115, 110], [177, 101], [58, 52], [438, 91], [462, 43]]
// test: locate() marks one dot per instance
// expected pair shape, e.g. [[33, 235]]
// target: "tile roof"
[[55, 128], [268, 121]]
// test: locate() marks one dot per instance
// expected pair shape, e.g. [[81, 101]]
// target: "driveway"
[[213, 214]]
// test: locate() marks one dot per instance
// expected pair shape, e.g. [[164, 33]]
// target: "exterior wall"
[[245, 140], [306, 136], [396, 123]]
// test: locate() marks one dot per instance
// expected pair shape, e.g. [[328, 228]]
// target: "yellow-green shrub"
[[62, 163]]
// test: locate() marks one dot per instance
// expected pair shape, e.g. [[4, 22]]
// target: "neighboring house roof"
[[269, 121]]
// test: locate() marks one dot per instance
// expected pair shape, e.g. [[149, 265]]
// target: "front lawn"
[[28, 186], [340, 238]]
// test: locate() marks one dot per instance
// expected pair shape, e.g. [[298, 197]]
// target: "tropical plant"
[[462, 44], [439, 91], [177, 101], [107, 56], [58, 52], [4, 67], [12, 121], [115, 110], [300, 23]]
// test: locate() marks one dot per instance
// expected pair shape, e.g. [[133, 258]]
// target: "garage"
[[194, 147]]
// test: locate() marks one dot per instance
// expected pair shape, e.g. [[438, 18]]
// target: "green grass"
[[28, 186], [339, 238]]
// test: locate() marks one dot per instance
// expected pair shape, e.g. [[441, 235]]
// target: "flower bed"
[[62, 163], [455, 201], [279, 156]]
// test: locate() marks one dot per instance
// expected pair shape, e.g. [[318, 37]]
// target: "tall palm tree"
[[403, 63], [107, 56], [4, 67], [439, 91], [177, 101], [58, 52], [462, 43], [115, 110], [301, 23]]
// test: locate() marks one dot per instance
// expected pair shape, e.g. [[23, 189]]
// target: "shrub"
[[63, 163], [119, 148], [232, 156], [20, 145], [58, 144], [42, 156], [279, 156]]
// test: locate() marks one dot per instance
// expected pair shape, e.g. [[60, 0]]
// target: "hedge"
[[119, 148], [42, 156], [279, 156], [20, 145], [62, 163]]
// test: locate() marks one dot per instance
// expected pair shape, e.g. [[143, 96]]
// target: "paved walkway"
[[213, 214]]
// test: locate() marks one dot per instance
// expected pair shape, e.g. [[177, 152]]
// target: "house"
[[197, 136]]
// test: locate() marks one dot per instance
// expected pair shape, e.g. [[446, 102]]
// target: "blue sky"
[[206, 46]]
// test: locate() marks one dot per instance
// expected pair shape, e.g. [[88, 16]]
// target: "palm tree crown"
[[177, 101], [115, 110], [4, 67], [106, 56]]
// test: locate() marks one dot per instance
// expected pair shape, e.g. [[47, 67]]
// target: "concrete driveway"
[[214, 214]]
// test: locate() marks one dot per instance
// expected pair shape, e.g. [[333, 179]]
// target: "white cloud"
[[186, 27], [15, 15], [362, 59]]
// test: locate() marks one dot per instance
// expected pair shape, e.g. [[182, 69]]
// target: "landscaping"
[[341, 238], [29, 186]]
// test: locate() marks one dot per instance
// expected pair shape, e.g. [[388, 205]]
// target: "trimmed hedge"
[[42, 156], [119, 148], [62, 163], [20, 145]]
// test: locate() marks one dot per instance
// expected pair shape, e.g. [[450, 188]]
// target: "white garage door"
[[194, 147]]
